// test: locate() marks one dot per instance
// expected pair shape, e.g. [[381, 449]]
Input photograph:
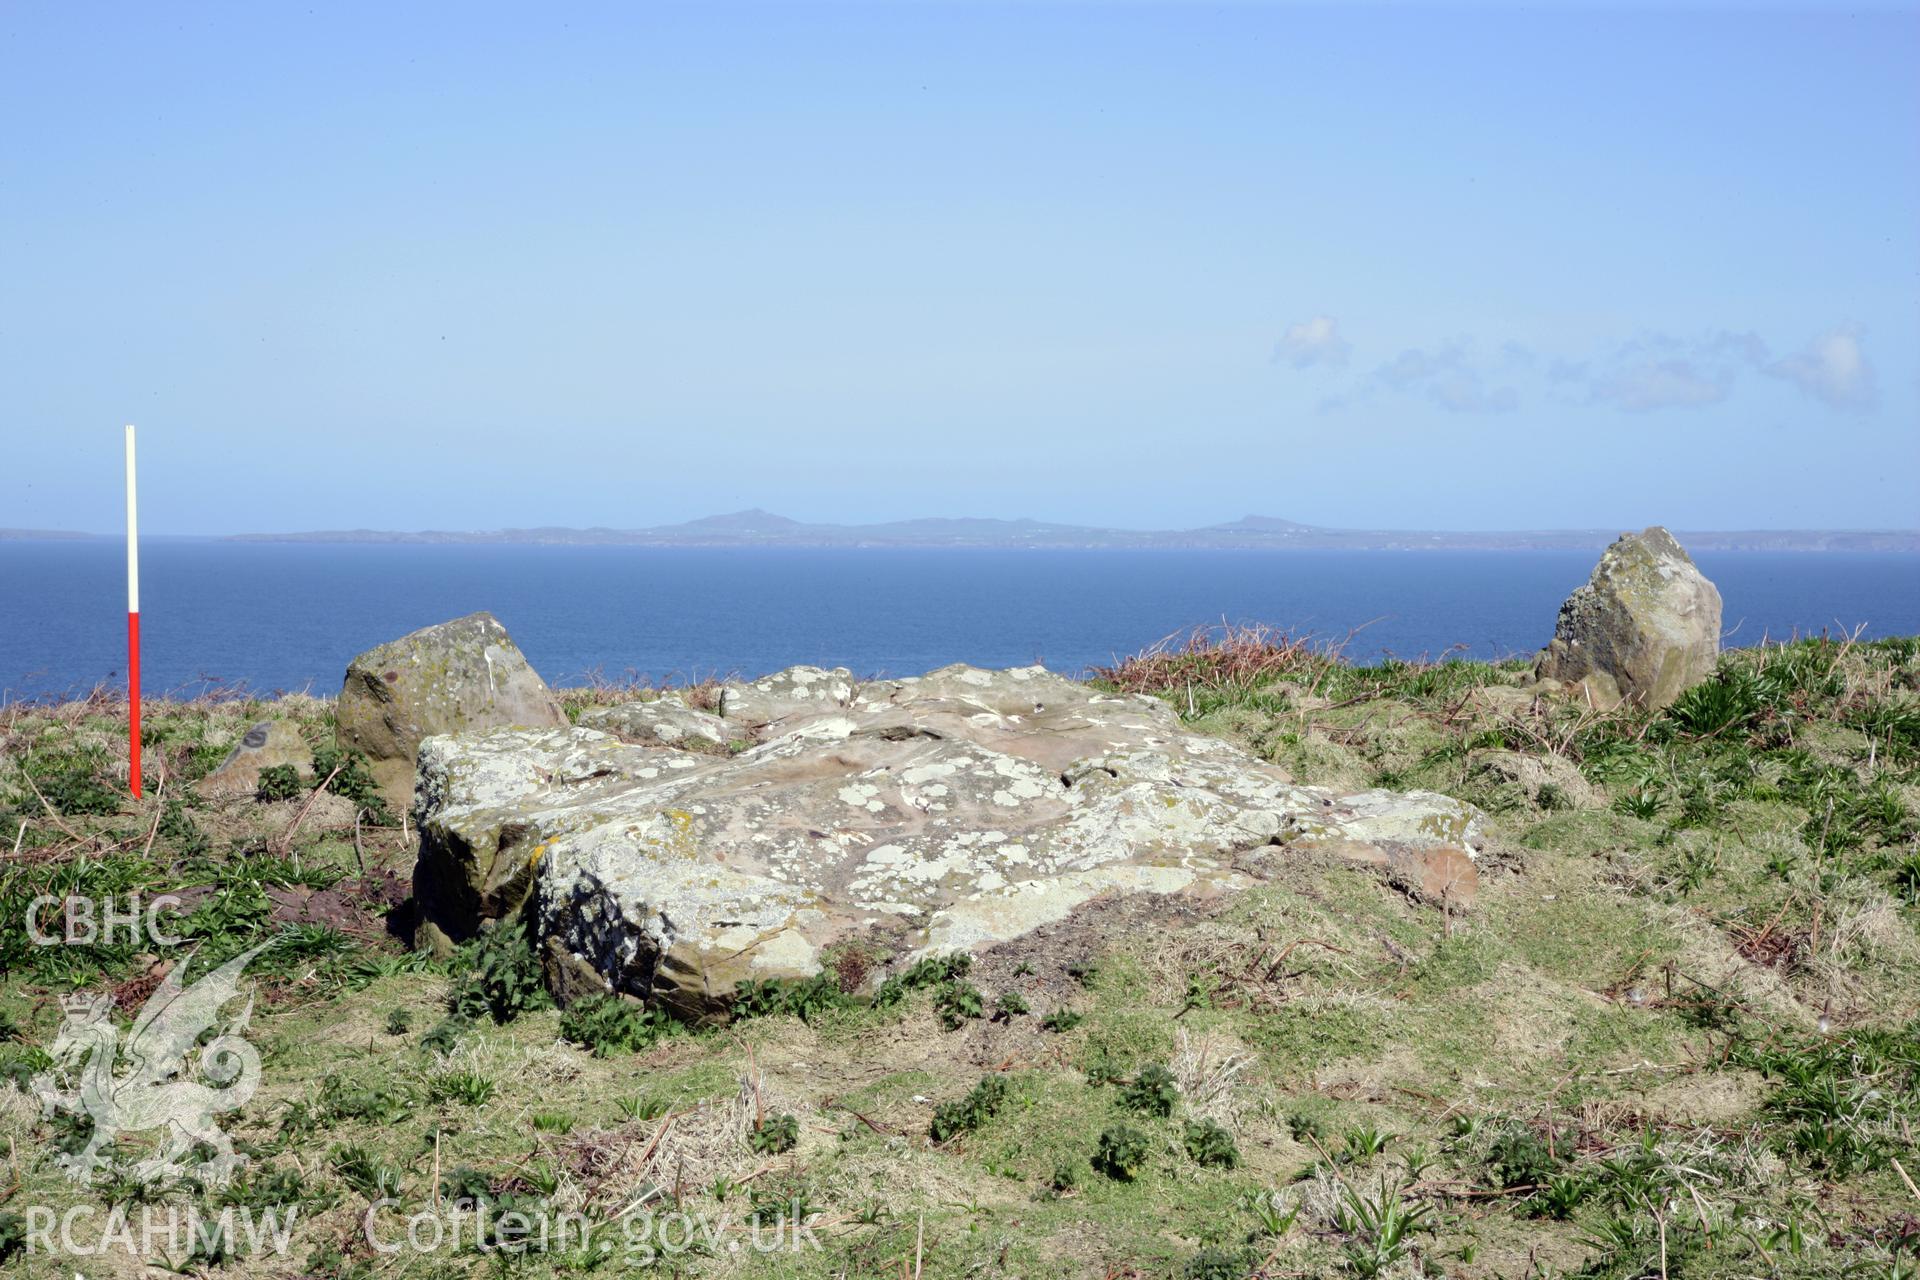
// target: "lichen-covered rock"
[[665, 721], [958, 809], [797, 690], [1643, 628], [489, 801], [450, 678], [269, 743]]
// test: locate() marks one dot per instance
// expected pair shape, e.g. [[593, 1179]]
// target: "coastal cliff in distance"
[[757, 528]]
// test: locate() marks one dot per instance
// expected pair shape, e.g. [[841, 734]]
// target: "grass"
[[1679, 1034]]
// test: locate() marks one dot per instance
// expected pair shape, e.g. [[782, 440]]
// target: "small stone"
[[269, 743]]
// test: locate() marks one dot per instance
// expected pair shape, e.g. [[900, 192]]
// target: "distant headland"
[[756, 528]]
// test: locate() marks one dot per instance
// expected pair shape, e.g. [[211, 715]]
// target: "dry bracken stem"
[[159, 810], [286, 837], [57, 820], [1901, 1170]]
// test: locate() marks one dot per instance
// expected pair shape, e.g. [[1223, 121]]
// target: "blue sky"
[[408, 266]]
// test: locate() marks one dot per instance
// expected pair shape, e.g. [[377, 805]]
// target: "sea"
[[276, 617]]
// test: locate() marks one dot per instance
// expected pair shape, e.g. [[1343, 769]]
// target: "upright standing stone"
[[457, 676], [1644, 627]]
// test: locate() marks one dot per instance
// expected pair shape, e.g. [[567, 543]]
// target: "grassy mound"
[[1679, 1035]]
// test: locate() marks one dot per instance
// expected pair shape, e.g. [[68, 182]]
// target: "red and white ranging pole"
[[133, 621]]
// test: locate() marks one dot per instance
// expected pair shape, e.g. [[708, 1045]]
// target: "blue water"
[[276, 617]]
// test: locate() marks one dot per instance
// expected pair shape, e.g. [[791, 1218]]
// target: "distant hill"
[[1261, 525], [757, 528], [43, 535]]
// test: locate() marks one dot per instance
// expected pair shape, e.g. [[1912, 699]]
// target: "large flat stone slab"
[[955, 810]]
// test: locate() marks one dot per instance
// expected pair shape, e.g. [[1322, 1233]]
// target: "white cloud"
[[1450, 377], [1651, 373], [1464, 393], [1311, 342], [1832, 368], [1657, 371], [1660, 384]]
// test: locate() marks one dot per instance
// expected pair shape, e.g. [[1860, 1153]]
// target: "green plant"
[[499, 977], [209, 1244], [1906, 877], [1062, 1020], [1122, 1153], [639, 1106], [70, 783], [1202, 991], [1562, 1194], [1274, 1213], [774, 1134], [1010, 1005], [274, 1189], [1152, 1092], [803, 998], [956, 1002], [343, 1098], [1306, 1129], [1363, 1144], [466, 1186], [1379, 1227], [278, 782], [541, 1177], [1211, 1145], [178, 829], [967, 1114], [1721, 705], [552, 1122], [399, 1022], [1521, 1157], [445, 1034], [607, 1024], [468, 1088], [352, 779], [1642, 803], [365, 1172], [780, 1203], [931, 971]]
